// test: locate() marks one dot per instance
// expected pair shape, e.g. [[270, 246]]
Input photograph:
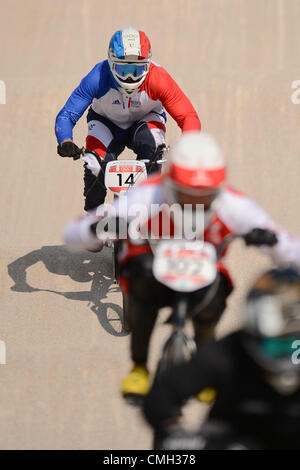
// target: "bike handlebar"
[[160, 151], [256, 237]]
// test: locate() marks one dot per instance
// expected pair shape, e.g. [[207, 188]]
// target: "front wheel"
[[115, 257], [179, 348], [126, 314]]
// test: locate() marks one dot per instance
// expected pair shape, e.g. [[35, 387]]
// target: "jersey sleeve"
[[162, 87], [78, 102], [241, 214], [136, 205]]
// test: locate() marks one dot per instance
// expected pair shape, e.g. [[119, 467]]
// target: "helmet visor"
[[130, 70], [277, 347]]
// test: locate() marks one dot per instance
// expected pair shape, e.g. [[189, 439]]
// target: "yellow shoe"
[[136, 384], [207, 395]]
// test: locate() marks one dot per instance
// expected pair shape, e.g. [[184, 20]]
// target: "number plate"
[[185, 266], [121, 175]]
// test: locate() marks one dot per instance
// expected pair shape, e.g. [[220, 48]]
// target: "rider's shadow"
[[81, 267]]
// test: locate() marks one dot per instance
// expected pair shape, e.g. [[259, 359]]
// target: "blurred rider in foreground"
[[255, 371], [128, 94], [195, 174]]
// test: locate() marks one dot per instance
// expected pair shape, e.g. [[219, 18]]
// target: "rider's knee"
[[139, 267], [141, 284], [143, 141]]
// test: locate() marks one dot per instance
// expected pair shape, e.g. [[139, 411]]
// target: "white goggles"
[[130, 70]]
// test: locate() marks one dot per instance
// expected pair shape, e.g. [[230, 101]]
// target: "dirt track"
[[59, 315]]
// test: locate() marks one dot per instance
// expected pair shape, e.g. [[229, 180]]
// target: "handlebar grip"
[[259, 237]]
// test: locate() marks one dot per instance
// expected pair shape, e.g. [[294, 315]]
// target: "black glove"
[[260, 236], [69, 149]]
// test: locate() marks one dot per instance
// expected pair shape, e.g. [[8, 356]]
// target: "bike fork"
[[180, 310]]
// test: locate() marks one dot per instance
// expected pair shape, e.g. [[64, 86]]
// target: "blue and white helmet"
[[129, 55]]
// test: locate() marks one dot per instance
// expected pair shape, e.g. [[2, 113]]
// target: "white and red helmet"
[[195, 171], [129, 55]]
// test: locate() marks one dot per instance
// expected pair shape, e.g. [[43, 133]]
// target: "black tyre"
[[178, 349], [126, 314], [116, 249]]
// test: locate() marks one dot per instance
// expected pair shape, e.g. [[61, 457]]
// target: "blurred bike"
[[186, 267], [119, 177]]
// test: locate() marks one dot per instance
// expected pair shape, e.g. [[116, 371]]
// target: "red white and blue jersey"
[[157, 93], [235, 213]]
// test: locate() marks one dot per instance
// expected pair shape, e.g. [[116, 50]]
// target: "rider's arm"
[[78, 102], [241, 214], [162, 87], [81, 233], [210, 367]]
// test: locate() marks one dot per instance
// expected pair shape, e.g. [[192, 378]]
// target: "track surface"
[[59, 314]]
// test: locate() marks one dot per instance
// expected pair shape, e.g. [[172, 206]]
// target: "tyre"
[[126, 314], [116, 265], [178, 349]]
